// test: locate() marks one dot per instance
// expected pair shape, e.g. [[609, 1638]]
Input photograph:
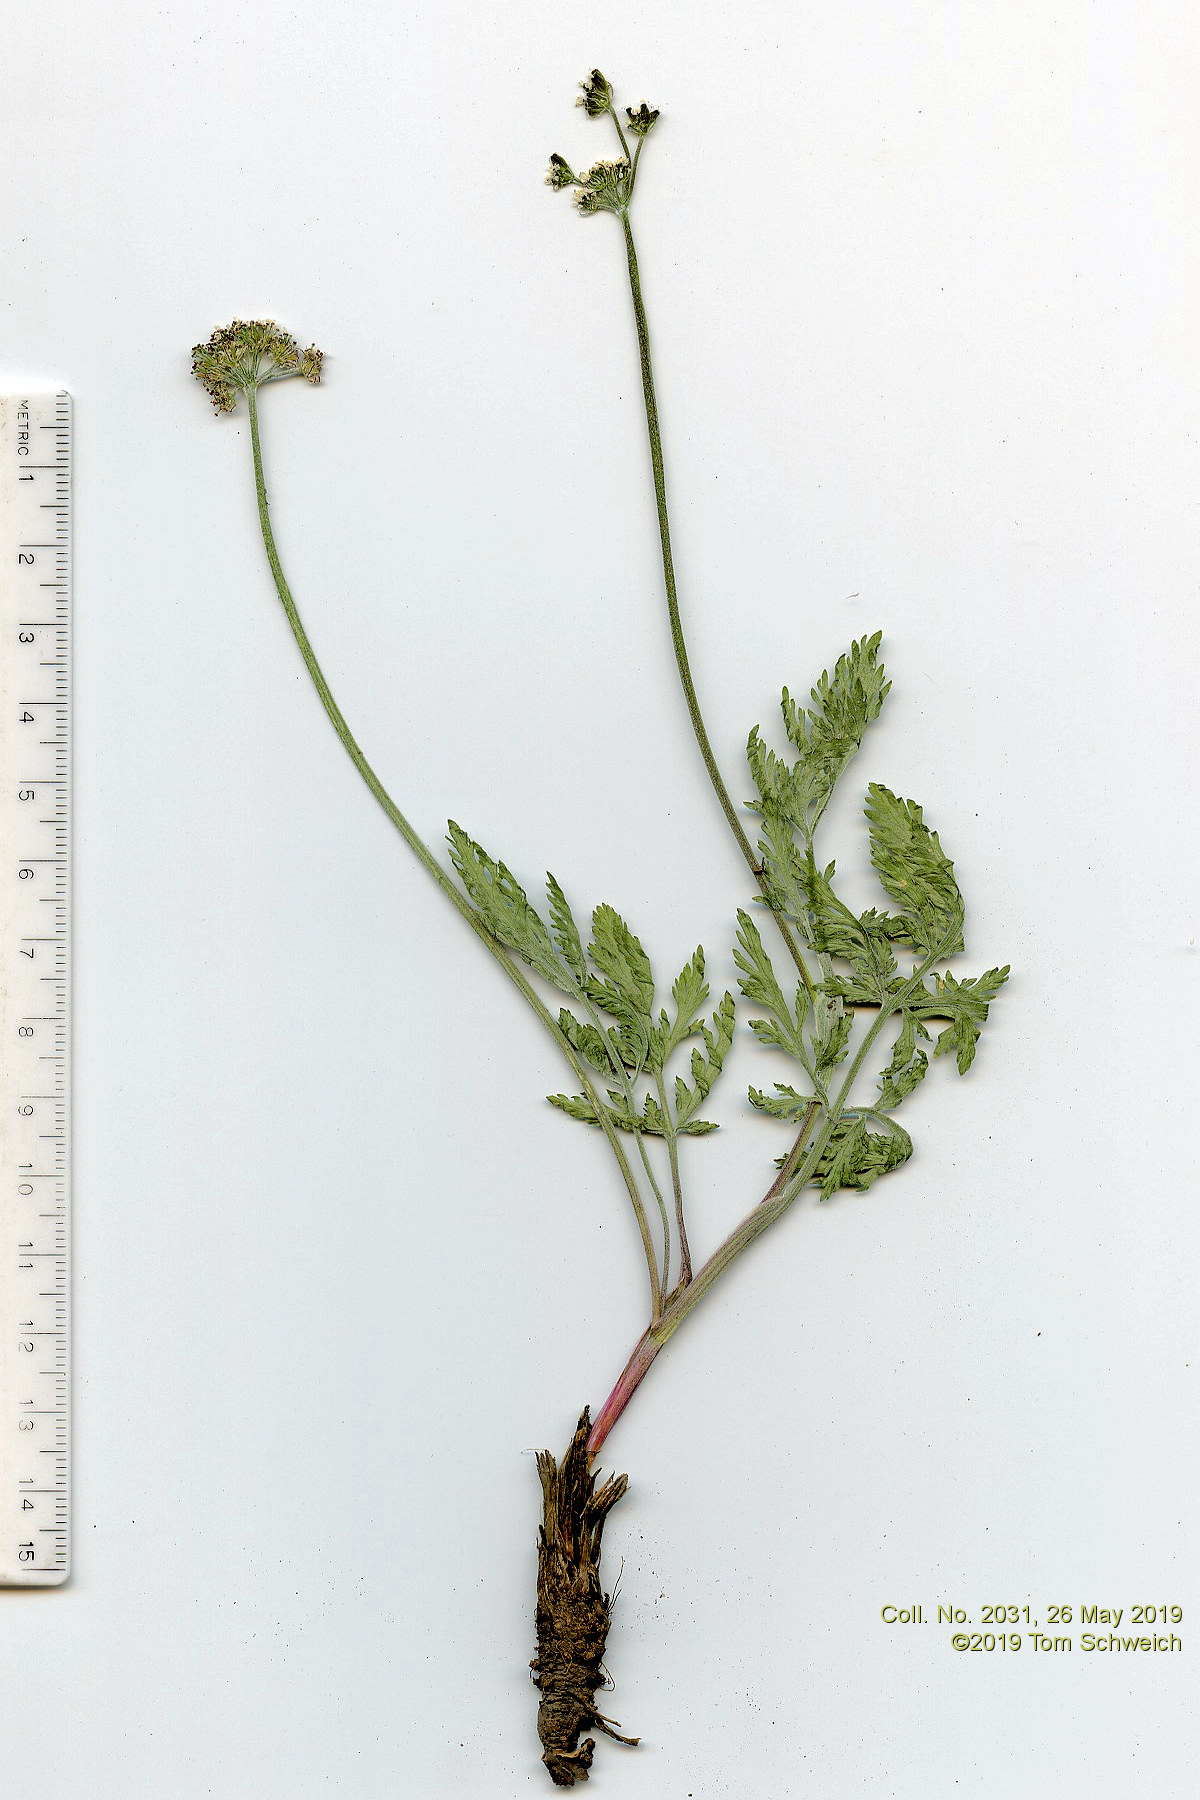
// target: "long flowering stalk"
[[860, 995], [609, 187], [239, 359]]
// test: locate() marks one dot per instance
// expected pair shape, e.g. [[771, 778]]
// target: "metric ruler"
[[35, 1043]]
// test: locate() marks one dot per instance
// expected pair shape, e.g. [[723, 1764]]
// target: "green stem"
[[621, 1076], [678, 641], [685, 1298], [430, 863], [672, 1137], [792, 1178], [797, 1171]]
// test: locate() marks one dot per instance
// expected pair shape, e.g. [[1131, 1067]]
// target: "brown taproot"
[[573, 1611]]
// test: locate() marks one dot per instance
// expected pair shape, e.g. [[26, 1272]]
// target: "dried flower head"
[[641, 122], [560, 174], [606, 186], [597, 95], [241, 357]]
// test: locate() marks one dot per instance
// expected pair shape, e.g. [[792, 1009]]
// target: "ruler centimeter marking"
[[35, 988]]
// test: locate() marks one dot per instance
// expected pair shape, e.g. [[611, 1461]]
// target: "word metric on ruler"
[[35, 994]]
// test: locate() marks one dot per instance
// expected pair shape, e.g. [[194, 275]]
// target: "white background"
[[922, 279]]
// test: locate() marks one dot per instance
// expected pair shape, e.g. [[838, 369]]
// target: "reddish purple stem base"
[[681, 1302], [644, 1353]]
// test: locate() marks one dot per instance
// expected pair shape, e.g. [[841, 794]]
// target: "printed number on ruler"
[[35, 795]]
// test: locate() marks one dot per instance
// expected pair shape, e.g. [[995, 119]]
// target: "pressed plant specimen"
[[857, 1000]]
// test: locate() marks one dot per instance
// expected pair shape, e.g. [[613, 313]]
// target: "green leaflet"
[[648, 1121], [588, 1043], [784, 1028], [506, 911], [832, 1026], [706, 1065], [616, 952], [908, 1065], [855, 1157], [916, 871], [652, 1121], [834, 929], [829, 733], [792, 796], [578, 1106], [783, 866], [689, 992], [565, 930], [780, 784], [784, 1103], [630, 1034], [865, 943], [624, 986], [965, 1004]]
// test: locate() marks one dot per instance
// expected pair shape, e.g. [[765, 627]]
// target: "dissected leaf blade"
[[829, 732], [565, 931], [784, 1028], [623, 963], [706, 1065], [908, 1066], [505, 908], [856, 1157], [966, 1004], [915, 871], [784, 1103]]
